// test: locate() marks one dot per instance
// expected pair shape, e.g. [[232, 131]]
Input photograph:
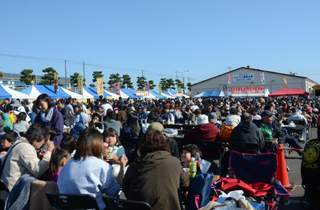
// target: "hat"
[[213, 117], [115, 108], [155, 126], [202, 119], [256, 117], [130, 109], [194, 107], [266, 113], [1, 124], [15, 103], [226, 107]]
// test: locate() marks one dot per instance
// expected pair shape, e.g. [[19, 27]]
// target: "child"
[[189, 151], [111, 141], [58, 159], [7, 140], [68, 143]]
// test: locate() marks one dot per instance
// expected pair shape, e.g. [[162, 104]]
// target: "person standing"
[[50, 116]]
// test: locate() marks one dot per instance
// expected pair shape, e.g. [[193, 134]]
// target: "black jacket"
[[247, 132]]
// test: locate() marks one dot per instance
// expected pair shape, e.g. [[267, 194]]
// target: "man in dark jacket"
[[247, 132]]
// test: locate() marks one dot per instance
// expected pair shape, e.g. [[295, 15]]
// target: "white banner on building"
[[243, 77], [262, 79]]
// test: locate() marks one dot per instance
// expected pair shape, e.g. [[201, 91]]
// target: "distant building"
[[245, 77], [12, 80]]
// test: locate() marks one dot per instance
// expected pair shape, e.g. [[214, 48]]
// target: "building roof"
[[253, 70]]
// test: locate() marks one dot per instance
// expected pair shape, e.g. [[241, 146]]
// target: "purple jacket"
[[56, 122]]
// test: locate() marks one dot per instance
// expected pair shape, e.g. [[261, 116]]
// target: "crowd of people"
[[75, 143]]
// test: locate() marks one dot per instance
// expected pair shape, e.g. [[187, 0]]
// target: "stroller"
[[253, 173]]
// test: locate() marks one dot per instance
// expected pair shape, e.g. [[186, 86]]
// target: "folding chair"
[[113, 203], [244, 147], [72, 201]]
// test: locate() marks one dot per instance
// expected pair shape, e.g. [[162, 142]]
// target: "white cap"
[[193, 159]]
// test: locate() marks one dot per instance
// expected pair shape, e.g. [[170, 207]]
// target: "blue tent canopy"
[[156, 94], [130, 92], [3, 93], [210, 94], [49, 90]]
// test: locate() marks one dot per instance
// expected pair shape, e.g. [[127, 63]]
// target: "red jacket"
[[203, 132]]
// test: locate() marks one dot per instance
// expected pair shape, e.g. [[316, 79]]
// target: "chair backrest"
[[113, 203], [210, 149], [244, 147], [252, 168], [72, 201]]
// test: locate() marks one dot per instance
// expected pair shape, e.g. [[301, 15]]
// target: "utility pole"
[[182, 78], [65, 69], [229, 67], [142, 72], [84, 73]]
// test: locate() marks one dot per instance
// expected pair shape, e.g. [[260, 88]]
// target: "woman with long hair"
[[87, 173]]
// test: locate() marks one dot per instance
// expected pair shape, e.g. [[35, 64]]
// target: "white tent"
[[9, 93], [112, 94], [72, 94], [123, 95], [265, 94]]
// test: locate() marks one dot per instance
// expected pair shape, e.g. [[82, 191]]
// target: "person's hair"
[[268, 106], [111, 115], [153, 116], [245, 117], [55, 162], [90, 143], [233, 111], [153, 141], [96, 115], [10, 136], [21, 117], [197, 111], [206, 111], [132, 122], [62, 101], [46, 98], [68, 142], [193, 149], [37, 132], [52, 132], [111, 132]]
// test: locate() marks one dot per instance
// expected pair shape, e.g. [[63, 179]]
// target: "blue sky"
[[161, 37]]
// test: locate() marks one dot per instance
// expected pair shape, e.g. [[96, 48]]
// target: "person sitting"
[[247, 132], [155, 177], [21, 125], [96, 122], [66, 112], [59, 158], [7, 125], [112, 144], [112, 122], [81, 125], [296, 116], [203, 131], [68, 143], [271, 131], [233, 119], [23, 158], [167, 117], [7, 140], [87, 173]]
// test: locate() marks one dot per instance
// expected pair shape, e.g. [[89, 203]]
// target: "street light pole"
[[183, 78]]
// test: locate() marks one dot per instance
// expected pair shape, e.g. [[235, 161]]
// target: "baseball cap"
[[155, 126], [266, 113]]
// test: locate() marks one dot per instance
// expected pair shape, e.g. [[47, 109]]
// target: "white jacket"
[[23, 160]]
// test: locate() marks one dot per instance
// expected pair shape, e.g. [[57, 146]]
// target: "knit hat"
[[213, 117], [202, 119], [155, 126]]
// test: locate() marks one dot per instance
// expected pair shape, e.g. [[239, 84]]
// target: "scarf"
[[46, 118]]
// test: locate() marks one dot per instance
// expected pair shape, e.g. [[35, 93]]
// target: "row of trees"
[[124, 80]]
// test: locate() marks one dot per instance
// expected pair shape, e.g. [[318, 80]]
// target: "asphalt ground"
[[293, 161]]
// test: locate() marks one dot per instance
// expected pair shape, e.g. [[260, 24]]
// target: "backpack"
[[199, 191], [225, 132]]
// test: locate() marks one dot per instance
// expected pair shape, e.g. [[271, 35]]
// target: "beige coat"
[[23, 160]]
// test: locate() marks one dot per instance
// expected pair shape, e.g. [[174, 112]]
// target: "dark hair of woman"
[[68, 101], [193, 149], [10, 136], [37, 132], [153, 141], [46, 98], [197, 111], [68, 142], [21, 117], [90, 143], [62, 101], [111, 115], [111, 132], [96, 115], [153, 116], [132, 122]]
